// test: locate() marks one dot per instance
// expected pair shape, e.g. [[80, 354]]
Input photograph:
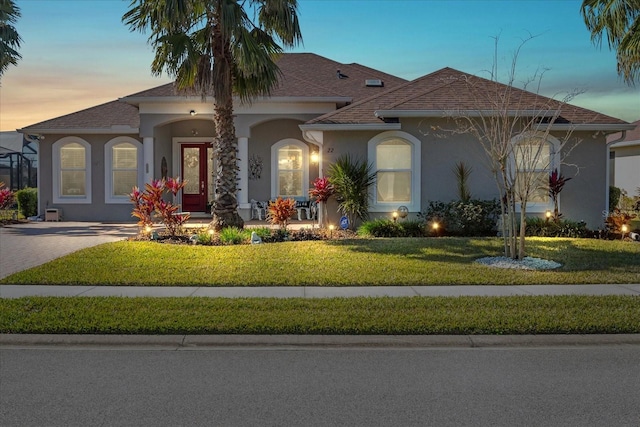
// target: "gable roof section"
[[448, 91], [304, 76], [104, 118]]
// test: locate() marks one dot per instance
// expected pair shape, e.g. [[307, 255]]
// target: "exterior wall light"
[[315, 157]]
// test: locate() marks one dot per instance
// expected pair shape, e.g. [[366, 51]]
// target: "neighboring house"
[[624, 169], [320, 110], [18, 160]]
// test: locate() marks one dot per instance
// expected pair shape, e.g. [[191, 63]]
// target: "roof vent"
[[373, 83]]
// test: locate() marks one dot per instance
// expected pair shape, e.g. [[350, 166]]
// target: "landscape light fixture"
[[193, 112], [624, 229], [547, 214], [395, 216]]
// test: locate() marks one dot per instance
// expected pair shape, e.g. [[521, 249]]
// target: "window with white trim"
[[290, 169], [395, 157], [534, 159], [71, 171], [123, 168]]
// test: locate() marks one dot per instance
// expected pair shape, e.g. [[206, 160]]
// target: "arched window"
[[71, 171], [395, 157], [290, 169], [123, 168]]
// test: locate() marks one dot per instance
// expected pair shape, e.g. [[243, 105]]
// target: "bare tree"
[[514, 127]]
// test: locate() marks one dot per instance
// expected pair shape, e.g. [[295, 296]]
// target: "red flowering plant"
[[321, 191], [7, 199], [281, 211], [556, 184], [150, 202]]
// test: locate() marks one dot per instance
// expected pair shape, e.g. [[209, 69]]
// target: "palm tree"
[[351, 178], [620, 20], [9, 37], [219, 48]]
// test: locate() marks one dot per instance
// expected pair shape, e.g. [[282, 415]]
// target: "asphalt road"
[[260, 386]]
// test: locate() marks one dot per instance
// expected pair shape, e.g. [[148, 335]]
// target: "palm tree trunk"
[[225, 144]]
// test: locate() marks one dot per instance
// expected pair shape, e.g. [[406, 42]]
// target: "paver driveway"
[[23, 246]]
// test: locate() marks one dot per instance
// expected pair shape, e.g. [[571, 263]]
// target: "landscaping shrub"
[[614, 197], [27, 201], [281, 210], [234, 236], [263, 232], [7, 200], [306, 234], [150, 201], [380, 228], [539, 227], [472, 218], [387, 228], [203, 237], [351, 178]]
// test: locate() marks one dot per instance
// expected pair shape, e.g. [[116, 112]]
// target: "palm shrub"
[[462, 173], [351, 178]]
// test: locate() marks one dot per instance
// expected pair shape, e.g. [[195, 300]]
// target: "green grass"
[[353, 316], [363, 262]]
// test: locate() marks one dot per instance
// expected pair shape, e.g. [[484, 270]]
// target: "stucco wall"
[[263, 136], [582, 199], [627, 169], [98, 210]]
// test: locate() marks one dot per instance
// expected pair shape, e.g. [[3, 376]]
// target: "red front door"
[[194, 173]]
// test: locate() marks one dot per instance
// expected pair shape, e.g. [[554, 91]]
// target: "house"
[[89, 160], [625, 160]]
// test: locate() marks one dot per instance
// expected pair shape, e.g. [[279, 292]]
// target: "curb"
[[186, 342]]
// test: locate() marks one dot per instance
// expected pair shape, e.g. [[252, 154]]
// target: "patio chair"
[[258, 210], [303, 206]]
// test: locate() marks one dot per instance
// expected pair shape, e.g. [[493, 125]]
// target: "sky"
[[77, 53]]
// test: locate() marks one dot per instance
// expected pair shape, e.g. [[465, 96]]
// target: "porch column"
[[147, 158], [243, 173]]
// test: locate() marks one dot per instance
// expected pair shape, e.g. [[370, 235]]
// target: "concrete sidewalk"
[[18, 291]]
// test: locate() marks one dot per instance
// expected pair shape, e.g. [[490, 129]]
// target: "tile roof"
[[452, 90]]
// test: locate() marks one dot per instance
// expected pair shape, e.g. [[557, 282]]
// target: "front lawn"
[[359, 262], [570, 314]]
